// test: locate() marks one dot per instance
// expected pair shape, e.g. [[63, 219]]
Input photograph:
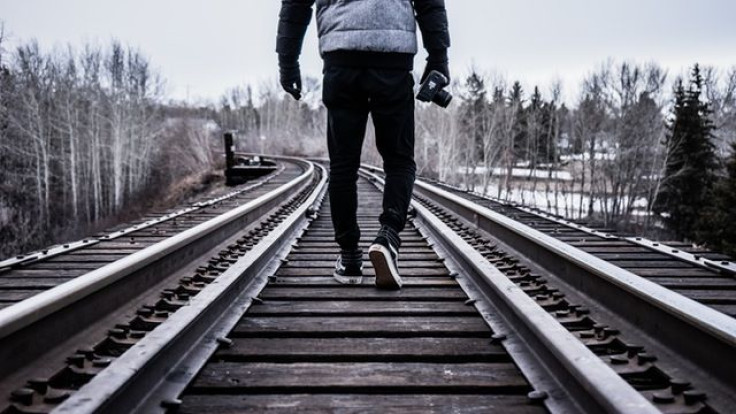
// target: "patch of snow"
[[570, 205], [521, 173], [599, 156]]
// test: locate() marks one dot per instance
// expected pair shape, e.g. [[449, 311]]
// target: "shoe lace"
[[351, 257], [390, 235]]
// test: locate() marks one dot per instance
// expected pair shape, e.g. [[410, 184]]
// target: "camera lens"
[[442, 98]]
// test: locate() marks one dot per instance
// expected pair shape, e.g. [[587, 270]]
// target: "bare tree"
[[720, 93], [79, 132]]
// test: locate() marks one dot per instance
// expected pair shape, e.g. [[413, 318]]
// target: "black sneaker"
[[349, 267], [384, 254]]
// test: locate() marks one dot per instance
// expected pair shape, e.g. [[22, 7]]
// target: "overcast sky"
[[203, 47]]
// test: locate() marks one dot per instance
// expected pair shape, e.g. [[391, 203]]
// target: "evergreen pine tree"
[[540, 117], [535, 128], [498, 98], [548, 142], [519, 127], [691, 162], [473, 113], [715, 227]]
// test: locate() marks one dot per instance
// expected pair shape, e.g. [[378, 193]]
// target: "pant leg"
[[347, 115], [392, 110]]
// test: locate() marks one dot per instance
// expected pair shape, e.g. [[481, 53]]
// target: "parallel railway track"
[[76, 299], [706, 277], [29, 274], [494, 316]]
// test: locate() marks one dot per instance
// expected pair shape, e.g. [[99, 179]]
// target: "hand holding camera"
[[431, 89], [436, 76]]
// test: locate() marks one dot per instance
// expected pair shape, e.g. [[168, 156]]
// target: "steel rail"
[[700, 334], [152, 374], [33, 325], [587, 382], [723, 266], [552, 218], [34, 257], [36, 307]]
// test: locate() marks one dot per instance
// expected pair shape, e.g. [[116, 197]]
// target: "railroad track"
[[68, 297], [706, 277], [28, 274], [621, 280], [486, 322]]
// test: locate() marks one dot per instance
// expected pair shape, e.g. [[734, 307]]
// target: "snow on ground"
[[522, 173], [599, 156], [569, 205]]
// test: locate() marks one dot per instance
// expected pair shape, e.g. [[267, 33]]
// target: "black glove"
[[437, 60], [290, 76]]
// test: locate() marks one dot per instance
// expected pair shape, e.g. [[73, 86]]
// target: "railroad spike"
[[172, 404], [23, 396], [679, 385], [40, 385], [663, 397], [693, 397], [537, 396], [225, 342]]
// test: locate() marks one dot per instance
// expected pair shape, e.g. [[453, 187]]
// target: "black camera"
[[431, 89]]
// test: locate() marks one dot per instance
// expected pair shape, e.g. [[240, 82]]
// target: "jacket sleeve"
[[432, 19], [294, 19]]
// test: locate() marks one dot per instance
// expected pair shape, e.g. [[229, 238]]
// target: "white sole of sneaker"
[[348, 280], [387, 275]]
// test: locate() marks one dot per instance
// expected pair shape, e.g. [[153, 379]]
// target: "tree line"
[[86, 135], [631, 154], [611, 157], [268, 122], [84, 138]]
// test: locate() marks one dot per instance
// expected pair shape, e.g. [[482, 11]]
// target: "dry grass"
[[192, 187]]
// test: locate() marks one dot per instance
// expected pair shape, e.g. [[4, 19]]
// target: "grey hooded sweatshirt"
[[378, 33]]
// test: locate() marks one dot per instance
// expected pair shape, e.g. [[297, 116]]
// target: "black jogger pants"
[[350, 94]]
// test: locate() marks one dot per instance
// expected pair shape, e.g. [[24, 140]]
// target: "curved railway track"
[[29, 274], [81, 292], [496, 315]]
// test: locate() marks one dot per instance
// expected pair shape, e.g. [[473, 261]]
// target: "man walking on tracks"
[[368, 48]]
